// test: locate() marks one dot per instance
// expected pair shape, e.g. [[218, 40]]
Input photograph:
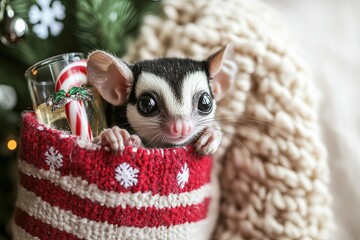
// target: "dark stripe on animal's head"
[[173, 70]]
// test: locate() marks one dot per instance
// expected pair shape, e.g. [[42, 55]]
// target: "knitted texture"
[[272, 165], [72, 189]]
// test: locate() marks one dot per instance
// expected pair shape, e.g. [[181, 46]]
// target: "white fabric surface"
[[328, 34]]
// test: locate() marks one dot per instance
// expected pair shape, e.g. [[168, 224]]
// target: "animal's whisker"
[[239, 122], [164, 138], [245, 126], [256, 130], [156, 135], [236, 140], [239, 119], [145, 121]]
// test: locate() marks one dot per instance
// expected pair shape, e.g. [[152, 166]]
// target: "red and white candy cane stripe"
[[74, 75]]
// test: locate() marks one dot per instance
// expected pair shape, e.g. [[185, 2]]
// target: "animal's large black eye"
[[147, 105], [205, 103]]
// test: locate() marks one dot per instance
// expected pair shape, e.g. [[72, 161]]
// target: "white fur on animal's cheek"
[[148, 82], [145, 127], [202, 122], [193, 83]]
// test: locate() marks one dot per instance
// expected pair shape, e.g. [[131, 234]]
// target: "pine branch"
[[109, 24]]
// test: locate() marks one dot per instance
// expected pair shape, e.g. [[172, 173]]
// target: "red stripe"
[[89, 131], [157, 173], [85, 208], [37, 228], [78, 118], [67, 112], [65, 75]]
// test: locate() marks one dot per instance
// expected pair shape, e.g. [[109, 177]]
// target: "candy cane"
[[74, 75]]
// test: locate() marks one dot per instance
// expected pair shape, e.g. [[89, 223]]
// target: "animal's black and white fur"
[[183, 91]]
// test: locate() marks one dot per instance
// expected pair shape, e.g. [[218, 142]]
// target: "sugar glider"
[[165, 102]]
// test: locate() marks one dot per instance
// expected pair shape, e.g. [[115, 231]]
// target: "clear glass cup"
[[41, 79]]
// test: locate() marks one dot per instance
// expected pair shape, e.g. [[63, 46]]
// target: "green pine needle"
[[108, 24]]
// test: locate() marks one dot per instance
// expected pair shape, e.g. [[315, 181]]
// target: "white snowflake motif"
[[126, 175], [45, 17], [183, 176], [53, 158]]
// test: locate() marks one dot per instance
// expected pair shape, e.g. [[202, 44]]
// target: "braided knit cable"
[[274, 183]]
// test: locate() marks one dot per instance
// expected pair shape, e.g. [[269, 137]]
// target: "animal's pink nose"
[[180, 128]]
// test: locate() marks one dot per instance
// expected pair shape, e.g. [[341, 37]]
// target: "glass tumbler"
[[41, 79]]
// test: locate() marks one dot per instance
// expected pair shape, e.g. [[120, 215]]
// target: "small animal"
[[164, 102]]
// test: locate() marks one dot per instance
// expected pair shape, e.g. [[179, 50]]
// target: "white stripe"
[[85, 228], [75, 79], [84, 122], [194, 83], [75, 108], [21, 234], [81, 63], [84, 190], [72, 115], [72, 65], [149, 82]]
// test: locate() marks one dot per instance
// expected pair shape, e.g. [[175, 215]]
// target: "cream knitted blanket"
[[272, 165]]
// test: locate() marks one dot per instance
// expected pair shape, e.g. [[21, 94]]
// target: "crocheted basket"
[[69, 192]]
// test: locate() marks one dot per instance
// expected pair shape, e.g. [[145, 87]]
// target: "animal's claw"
[[117, 138], [208, 142]]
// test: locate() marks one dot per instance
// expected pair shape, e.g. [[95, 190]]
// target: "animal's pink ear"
[[110, 76], [223, 70]]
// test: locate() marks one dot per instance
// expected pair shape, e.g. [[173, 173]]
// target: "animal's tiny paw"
[[208, 142], [117, 138], [134, 141]]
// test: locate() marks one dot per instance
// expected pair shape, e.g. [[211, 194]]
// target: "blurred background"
[[53, 27], [326, 31], [328, 34]]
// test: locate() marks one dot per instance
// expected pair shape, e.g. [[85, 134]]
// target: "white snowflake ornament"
[[53, 158], [126, 175], [183, 176], [46, 18]]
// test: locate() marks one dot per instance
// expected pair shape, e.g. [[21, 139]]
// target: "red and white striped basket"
[[67, 191]]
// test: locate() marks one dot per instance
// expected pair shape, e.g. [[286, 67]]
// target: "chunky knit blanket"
[[71, 189], [272, 164]]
